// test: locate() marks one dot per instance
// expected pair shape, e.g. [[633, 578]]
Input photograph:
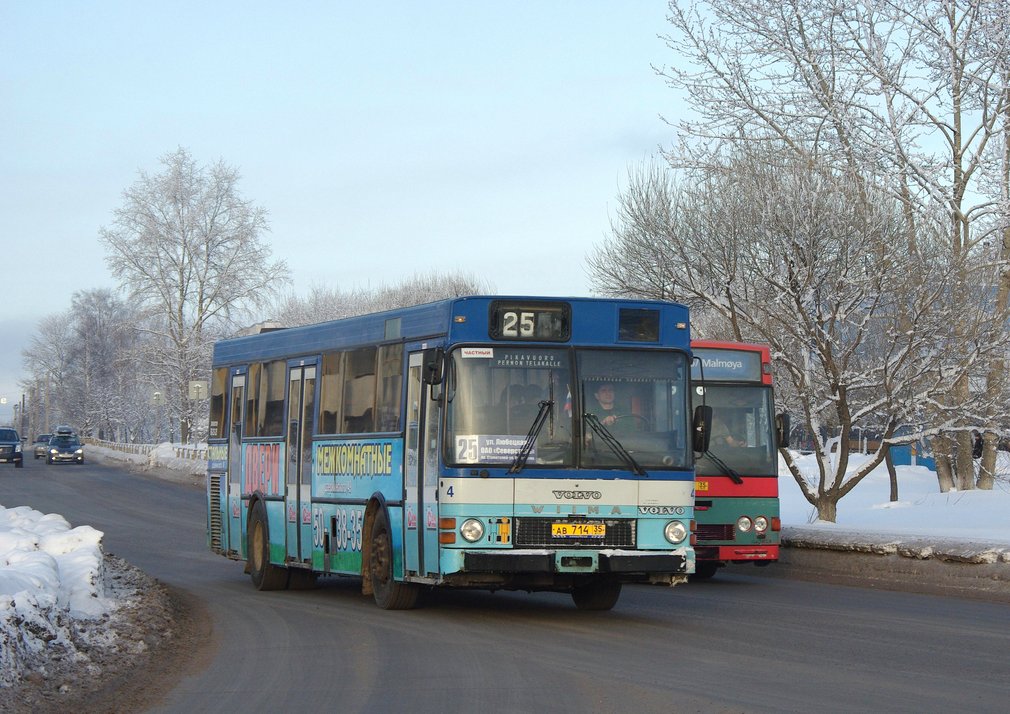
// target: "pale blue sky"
[[384, 139]]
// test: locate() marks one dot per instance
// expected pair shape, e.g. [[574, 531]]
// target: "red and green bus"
[[457, 444], [736, 486]]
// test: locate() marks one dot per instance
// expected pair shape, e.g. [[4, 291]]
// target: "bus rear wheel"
[[265, 575], [597, 595], [388, 593]]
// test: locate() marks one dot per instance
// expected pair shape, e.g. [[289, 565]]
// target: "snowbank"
[[50, 576]]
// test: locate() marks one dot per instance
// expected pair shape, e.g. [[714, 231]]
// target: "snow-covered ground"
[[52, 574], [921, 510]]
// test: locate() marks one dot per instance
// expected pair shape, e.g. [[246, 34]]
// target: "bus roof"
[[459, 319]]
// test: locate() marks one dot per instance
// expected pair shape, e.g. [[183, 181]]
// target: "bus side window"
[[359, 390], [217, 427], [331, 393]]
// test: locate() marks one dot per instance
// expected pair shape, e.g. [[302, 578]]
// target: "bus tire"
[[265, 575], [388, 593], [599, 594]]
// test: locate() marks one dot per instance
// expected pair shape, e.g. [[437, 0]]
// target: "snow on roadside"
[[50, 576], [56, 596]]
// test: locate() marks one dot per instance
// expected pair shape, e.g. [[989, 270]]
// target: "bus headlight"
[[675, 532], [472, 530], [744, 524], [760, 524]]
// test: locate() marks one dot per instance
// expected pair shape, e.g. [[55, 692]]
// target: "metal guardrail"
[[196, 453]]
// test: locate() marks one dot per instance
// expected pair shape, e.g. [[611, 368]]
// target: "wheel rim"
[[257, 546]]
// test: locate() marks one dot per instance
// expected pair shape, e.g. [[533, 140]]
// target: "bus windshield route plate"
[[578, 530]]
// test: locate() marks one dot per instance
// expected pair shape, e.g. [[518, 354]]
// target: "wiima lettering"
[[574, 508]]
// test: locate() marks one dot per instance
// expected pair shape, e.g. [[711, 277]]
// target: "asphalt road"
[[738, 643]]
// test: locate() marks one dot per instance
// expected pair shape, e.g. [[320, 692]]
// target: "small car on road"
[[10, 448], [65, 447], [41, 445]]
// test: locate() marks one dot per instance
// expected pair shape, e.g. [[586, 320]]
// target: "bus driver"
[[604, 407]]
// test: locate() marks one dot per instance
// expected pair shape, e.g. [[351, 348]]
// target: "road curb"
[[970, 569]]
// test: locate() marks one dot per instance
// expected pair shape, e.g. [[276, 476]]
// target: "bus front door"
[[420, 517], [298, 471]]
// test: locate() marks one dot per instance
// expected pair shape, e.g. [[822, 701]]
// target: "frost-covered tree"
[[188, 249], [428, 287], [47, 360], [100, 374], [907, 98], [82, 371], [324, 303], [777, 252]]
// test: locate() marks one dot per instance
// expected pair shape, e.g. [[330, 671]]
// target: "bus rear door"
[[235, 527], [298, 473]]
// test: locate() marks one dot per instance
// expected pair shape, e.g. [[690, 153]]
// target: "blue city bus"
[[460, 444]]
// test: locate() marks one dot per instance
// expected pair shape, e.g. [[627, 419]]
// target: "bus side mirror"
[[433, 364], [782, 429], [701, 429]]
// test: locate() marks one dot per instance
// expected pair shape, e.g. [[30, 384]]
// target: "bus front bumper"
[[738, 553], [577, 561]]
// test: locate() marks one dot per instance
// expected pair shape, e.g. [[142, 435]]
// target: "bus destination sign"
[[726, 365], [533, 320]]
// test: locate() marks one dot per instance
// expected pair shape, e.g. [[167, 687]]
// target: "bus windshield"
[[611, 409], [743, 430]]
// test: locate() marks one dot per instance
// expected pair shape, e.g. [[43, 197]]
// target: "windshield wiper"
[[734, 476], [616, 446], [519, 462]]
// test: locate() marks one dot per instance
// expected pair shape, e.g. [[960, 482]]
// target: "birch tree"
[[188, 249]]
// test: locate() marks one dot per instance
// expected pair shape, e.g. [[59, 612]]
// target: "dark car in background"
[[41, 445], [10, 448], [65, 446]]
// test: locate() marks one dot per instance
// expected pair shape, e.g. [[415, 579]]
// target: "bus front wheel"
[[265, 575], [388, 593], [596, 595]]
